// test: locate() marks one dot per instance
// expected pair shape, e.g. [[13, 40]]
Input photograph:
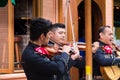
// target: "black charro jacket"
[[40, 67], [80, 64], [100, 58]]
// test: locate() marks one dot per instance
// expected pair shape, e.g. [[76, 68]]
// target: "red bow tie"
[[42, 50], [108, 49]]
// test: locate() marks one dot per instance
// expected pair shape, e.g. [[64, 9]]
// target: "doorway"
[[97, 20]]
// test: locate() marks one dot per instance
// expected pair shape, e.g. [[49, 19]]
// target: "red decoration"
[[42, 50], [108, 49]]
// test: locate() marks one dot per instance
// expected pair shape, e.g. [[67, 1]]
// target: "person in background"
[[37, 62], [105, 55]]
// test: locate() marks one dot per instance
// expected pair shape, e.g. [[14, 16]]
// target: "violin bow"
[[65, 14], [67, 7], [72, 27]]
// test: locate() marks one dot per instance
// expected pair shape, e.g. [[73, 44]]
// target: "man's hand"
[[76, 54], [95, 47]]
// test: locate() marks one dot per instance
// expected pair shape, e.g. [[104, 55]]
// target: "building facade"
[[14, 21]]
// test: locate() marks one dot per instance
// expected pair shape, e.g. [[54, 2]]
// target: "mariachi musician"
[[58, 36], [106, 53], [36, 60]]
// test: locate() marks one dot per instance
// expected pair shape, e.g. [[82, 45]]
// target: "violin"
[[52, 48], [116, 49], [80, 45]]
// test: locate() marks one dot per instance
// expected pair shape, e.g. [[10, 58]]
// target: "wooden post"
[[11, 36], [88, 36], [39, 8], [109, 12]]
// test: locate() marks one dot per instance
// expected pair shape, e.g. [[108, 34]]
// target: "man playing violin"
[[105, 55], [36, 60], [58, 36]]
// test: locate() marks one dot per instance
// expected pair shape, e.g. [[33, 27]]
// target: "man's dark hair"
[[102, 29], [39, 26], [57, 25]]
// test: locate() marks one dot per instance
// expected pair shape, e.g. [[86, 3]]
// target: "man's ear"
[[50, 34], [101, 35], [42, 36]]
